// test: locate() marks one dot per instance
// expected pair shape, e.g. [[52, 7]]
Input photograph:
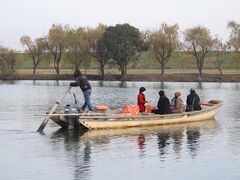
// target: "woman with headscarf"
[[177, 103]]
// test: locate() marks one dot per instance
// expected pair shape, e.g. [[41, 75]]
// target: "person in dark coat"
[[141, 99], [193, 101], [85, 86], [163, 106]]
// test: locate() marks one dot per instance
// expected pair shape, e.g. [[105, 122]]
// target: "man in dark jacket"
[[85, 87], [163, 106], [193, 101]]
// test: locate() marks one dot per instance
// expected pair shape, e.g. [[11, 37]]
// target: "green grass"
[[179, 60]]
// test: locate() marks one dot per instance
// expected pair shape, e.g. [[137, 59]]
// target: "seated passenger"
[[193, 101], [141, 99], [163, 106], [177, 105]]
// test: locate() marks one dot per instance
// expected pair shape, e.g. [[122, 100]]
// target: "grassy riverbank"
[[181, 67], [174, 75], [179, 60]]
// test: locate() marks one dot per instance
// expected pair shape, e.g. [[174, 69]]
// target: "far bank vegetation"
[[124, 46]]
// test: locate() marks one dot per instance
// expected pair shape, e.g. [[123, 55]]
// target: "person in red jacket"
[[141, 99]]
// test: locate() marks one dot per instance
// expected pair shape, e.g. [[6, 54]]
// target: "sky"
[[35, 17]]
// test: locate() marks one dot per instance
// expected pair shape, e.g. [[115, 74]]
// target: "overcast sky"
[[35, 17]]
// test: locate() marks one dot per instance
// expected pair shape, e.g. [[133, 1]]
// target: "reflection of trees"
[[193, 135], [101, 83], [78, 152], [123, 84], [57, 83], [8, 82], [199, 85], [162, 86]]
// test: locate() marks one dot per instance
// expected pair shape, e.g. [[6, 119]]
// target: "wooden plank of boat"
[[111, 121], [211, 123]]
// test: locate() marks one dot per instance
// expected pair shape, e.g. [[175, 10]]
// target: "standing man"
[[85, 87]]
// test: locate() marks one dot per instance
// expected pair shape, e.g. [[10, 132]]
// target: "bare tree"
[[163, 42], [56, 44], [34, 49], [77, 47], [198, 42], [234, 42], [219, 51], [7, 60], [98, 48], [234, 38]]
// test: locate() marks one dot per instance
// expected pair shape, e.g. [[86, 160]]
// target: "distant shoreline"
[[174, 77]]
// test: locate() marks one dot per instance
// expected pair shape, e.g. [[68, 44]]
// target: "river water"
[[205, 150]]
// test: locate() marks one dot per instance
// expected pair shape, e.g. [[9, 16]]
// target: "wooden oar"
[[60, 101]]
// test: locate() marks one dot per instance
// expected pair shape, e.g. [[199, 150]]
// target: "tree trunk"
[[220, 74], [76, 66], [34, 65], [56, 65], [199, 66], [34, 69], [58, 61], [57, 58], [162, 69], [123, 72], [200, 74], [102, 71], [57, 69]]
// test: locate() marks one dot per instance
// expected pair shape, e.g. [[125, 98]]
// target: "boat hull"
[[115, 121], [144, 121]]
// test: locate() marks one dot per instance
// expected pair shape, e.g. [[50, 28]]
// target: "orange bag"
[[130, 109], [101, 108], [149, 108]]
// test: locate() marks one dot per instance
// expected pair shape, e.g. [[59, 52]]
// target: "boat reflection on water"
[[77, 152], [170, 139]]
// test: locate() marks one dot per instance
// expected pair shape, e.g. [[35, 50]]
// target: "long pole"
[[60, 101]]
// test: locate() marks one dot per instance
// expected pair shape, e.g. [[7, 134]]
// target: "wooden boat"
[[113, 120]]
